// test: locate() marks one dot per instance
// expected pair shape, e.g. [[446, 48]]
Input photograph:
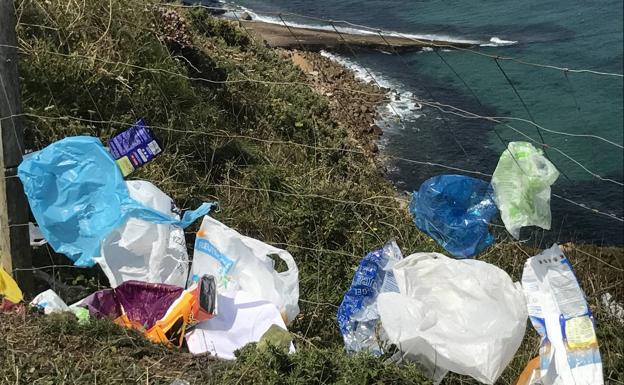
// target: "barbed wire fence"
[[380, 202]]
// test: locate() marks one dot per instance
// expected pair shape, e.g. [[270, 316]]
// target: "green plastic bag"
[[521, 182]]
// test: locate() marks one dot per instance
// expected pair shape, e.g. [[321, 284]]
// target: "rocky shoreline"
[[354, 104]]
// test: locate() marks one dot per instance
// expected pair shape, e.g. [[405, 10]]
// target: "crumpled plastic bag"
[[569, 352], [521, 182], [464, 316], [78, 196], [145, 251], [455, 210], [358, 317], [49, 302], [240, 262]]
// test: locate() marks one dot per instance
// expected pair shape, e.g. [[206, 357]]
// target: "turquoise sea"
[[574, 34]]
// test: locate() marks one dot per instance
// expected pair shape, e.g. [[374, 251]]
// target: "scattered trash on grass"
[[78, 197], [243, 318], [558, 310], [358, 317], [240, 262], [455, 210], [521, 182], [464, 316], [162, 312]]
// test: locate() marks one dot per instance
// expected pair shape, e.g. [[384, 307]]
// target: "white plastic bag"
[[558, 311], [240, 262], [49, 302], [146, 251], [464, 316]]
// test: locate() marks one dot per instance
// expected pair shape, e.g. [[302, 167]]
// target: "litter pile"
[[469, 317], [464, 315], [85, 210], [446, 314]]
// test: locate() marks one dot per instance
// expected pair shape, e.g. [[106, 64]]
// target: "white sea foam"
[[496, 42], [401, 103]]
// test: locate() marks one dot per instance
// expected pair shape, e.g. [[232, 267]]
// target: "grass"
[[220, 104]]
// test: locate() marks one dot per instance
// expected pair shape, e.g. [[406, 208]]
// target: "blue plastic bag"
[[357, 314], [455, 211], [78, 196]]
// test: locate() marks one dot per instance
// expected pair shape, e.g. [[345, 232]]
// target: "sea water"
[[574, 34]]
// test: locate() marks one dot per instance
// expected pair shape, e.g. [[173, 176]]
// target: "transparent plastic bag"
[[358, 317], [521, 182]]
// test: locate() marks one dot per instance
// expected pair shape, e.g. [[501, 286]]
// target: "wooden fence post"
[[14, 236]]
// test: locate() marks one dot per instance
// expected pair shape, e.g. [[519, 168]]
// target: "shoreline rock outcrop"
[[353, 103]]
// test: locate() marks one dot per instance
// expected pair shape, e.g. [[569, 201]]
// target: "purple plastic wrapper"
[[142, 302], [146, 303], [102, 304], [134, 147]]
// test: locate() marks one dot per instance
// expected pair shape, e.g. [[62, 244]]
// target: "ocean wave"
[[497, 42], [401, 103]]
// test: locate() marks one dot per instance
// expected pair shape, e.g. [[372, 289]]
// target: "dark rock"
[[245, 16]]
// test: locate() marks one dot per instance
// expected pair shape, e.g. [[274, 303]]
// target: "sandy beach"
[[311, 39]]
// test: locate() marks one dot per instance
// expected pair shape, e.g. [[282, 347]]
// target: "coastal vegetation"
[[287, 154]]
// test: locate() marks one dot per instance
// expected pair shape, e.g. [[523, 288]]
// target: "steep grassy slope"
[[241, 127]]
